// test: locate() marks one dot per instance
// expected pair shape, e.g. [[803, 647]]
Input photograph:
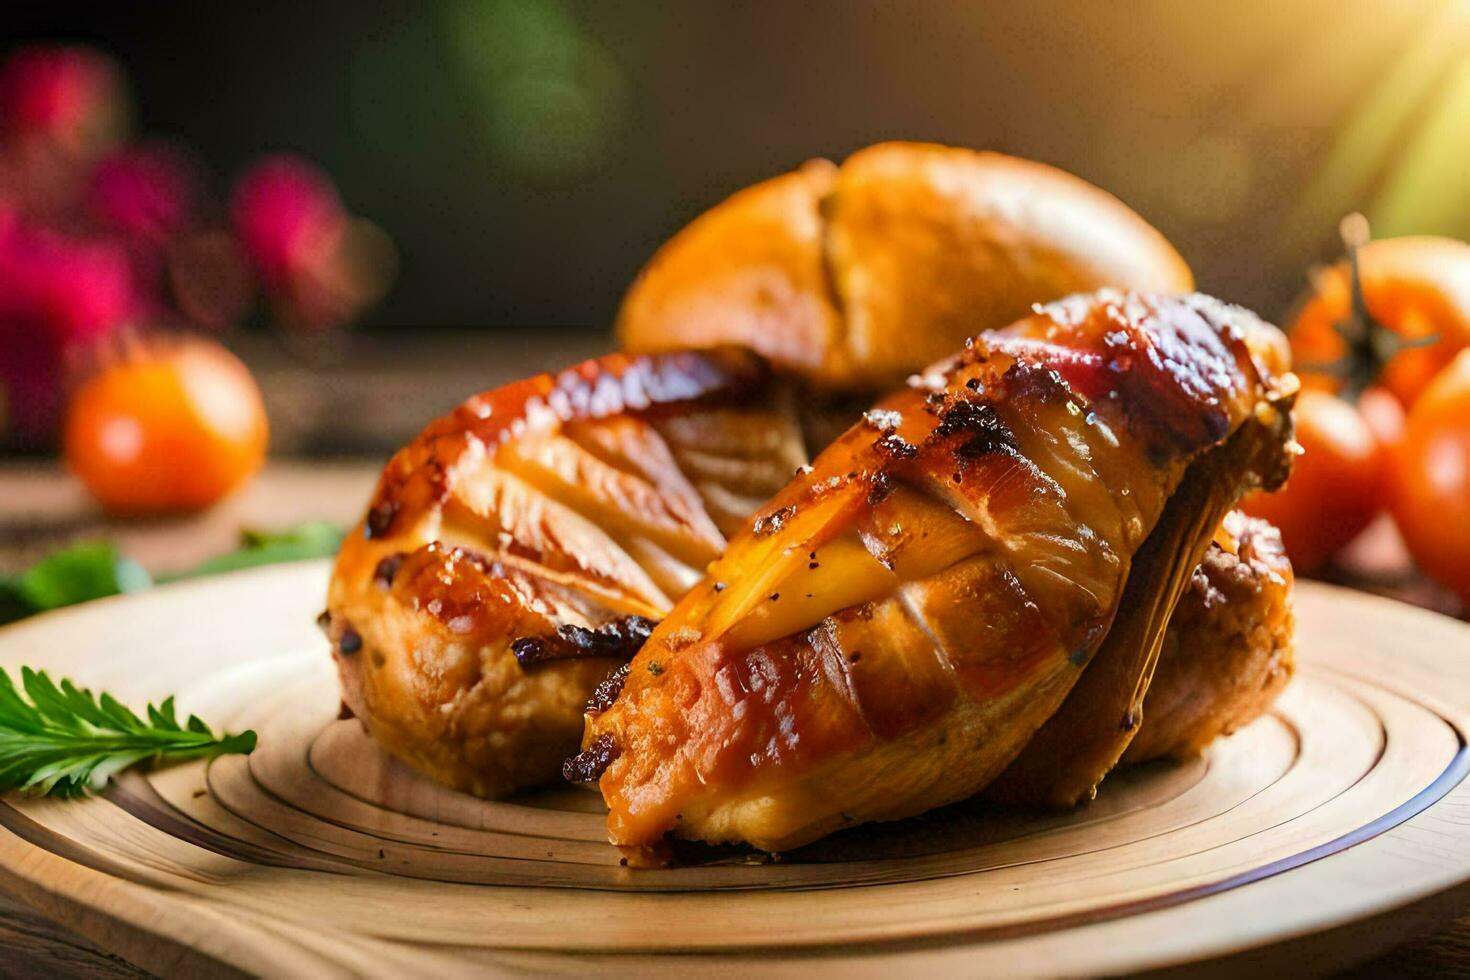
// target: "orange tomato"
[[171, 426], [1384, 414], [1415, 286], [1336, 485], [1430, 480]]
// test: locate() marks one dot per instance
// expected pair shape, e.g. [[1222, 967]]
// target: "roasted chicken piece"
[[897, 625], [494, 722], [1228, 650], [521, 547]]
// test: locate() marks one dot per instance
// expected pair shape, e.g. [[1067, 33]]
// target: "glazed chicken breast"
[[511, 557], [522, 547], [527, 542], [905, 620]]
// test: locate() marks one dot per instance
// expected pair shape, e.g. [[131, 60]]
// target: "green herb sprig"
[[94, 569], [63, 741]]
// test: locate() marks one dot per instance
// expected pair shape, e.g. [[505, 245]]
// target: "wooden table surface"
[[41, 508]]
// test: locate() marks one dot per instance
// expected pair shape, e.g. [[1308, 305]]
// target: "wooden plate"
[[1326, 831]]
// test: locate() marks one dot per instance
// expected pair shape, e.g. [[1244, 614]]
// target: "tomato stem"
[[1370, 344]]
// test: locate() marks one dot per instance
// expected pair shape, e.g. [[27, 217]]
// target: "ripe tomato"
[[1430, 480], [170, 426], [1384, 414], [1335, 488], [1415, 286]]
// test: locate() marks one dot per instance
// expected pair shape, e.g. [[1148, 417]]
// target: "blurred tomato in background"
[[106, 241], [165, 426], [1430, 478], [1401, 445], [1416, 287], [1336, 485]]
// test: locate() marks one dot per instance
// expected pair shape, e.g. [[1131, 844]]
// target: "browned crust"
[[859, 275], [424, 626], [743, 721], [1228, 651]]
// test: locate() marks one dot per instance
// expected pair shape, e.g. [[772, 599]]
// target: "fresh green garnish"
[[93, 569], [76, 574], [314, 539], [63, 741]]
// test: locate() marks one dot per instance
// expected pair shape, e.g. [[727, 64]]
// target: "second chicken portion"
[[1228, 650], [522, 547], [908, 615]]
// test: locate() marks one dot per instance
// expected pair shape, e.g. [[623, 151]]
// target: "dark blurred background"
[[526, 156]]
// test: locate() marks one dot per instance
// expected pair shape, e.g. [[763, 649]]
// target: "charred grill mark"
[[889, 443], [975, 419], [380, 518], [589, 764], [978, 431], [387, 570], [881, 488], [894, 446], [620, 638], [607, 692]]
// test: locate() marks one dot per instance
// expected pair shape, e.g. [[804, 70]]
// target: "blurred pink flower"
[[145, 197], [288, 216], [57, 296], [95, 237], [60, 107], [146, 192], [320, 266], [68, 95], [209, 278]]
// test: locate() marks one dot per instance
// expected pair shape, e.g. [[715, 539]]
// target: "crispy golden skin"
[[433, 607], [1228, 651], [554, 511], [856, 276], [906, 617]]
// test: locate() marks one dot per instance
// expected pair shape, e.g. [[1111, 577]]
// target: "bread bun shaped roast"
[[855, 276]]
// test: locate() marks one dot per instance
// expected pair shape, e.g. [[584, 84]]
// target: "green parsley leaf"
[[75, 574], [314, 539], [62, 741], [94, 569]]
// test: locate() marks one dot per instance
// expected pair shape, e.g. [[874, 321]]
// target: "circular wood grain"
[[1325, 831]]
